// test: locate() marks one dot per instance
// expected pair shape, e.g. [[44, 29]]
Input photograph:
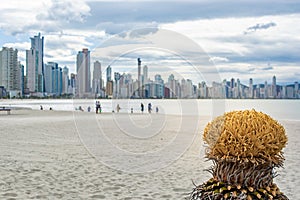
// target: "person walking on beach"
[[142, 107], [156, 109], [98, 107], [149, 107]]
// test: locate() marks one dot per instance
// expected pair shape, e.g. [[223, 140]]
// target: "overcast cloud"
[[243, 38]]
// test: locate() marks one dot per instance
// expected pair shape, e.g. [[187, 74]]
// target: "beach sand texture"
[[42, 156]]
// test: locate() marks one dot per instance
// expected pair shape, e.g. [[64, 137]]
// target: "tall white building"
[[274, 87], [145, 74], [35, 65], [65, 80], [10, 71], [140, 91], [97, 78], [83, 73], [250, 88], [49, 67]]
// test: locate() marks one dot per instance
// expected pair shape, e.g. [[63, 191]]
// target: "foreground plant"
[[245, 147]]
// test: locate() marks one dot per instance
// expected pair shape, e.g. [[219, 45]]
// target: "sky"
[[208, 40]]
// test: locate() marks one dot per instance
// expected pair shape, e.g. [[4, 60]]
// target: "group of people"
[[149, 108], [42, 108], [118, 108]]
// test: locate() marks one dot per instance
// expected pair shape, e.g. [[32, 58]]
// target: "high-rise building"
[[108, 73], [172, 86], [10, 71], [73, 84], [274, 87], [65, 80], [97, 78], [22, 75], [83, 73], [159, 86], [139, 77], [48, 77], [251, 88], [35, 65], [117, 77], [145, 74], [53, 79], [57, 80], [109, 88]]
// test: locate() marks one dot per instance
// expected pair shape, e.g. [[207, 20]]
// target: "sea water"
[[278, 109]]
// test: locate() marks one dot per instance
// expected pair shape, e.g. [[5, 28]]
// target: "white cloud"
[[22, 17], [218, 59], [69, 26]]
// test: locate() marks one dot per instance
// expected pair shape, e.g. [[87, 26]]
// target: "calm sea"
[[278, 109]]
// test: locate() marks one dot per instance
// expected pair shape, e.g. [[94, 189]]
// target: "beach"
[[65, 155]]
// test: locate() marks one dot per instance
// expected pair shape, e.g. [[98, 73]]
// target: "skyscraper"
[[274, 87], [159, 86], [109, 82], [251, 88], [10, 71], [108, 73], [53, 79], [97, 78], [83, 73], [145, 74], [48, 76], [65, 80], [35, 64], [117, 77], [139, 77], [73, 84]]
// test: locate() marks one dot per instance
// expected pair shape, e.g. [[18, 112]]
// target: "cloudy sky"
[[192, 39]]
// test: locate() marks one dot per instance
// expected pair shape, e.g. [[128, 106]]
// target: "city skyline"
[[44, 79], [240, 41]]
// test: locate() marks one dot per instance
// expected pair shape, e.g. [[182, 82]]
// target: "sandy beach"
[[65, 155]]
